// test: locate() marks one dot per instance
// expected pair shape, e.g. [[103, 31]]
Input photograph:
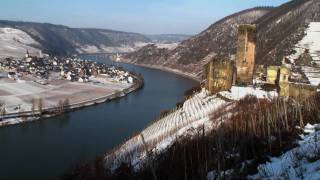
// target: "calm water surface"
[[45, 149]]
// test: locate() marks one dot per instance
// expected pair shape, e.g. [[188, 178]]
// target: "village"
[[72, 69], [38, 83]]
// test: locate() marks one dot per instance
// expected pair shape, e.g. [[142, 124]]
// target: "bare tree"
[[66, 104], [40, 106], [33, 107], [2, 109]]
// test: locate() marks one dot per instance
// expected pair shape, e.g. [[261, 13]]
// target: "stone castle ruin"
[[221, 74], [245, 57]]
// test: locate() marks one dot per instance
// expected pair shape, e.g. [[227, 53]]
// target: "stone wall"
[[301, 92]]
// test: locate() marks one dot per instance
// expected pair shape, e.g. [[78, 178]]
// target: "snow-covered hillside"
[[301, 162], [14, 42], [198, 111], [89, 48], [311, 41], [162, 133]]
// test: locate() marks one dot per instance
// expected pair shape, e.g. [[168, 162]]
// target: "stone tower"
[[246, 50], [219, 75]]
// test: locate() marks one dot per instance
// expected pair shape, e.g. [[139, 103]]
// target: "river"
[[45, 149]]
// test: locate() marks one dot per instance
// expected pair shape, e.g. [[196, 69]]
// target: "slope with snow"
[[14, 43], [302, 162], [311, 41], [198, 111], [162, 133], [91, 49]]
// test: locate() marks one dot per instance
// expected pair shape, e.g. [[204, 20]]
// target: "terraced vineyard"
[[194, 113]]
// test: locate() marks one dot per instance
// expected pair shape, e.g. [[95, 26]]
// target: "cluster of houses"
[[71, 69], [222, 74]]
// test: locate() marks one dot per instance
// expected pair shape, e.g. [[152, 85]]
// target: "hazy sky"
[[143, 16]]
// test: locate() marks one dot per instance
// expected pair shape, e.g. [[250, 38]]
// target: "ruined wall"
[[219, 75], [245, 58], [272, 74], [300, 92], [284, 81]]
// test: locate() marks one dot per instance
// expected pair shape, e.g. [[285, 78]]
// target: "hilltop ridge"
[[279, 28]]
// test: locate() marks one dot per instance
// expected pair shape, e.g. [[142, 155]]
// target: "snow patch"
[[89, 48], [237, 93], [170, 46], [302, 162]]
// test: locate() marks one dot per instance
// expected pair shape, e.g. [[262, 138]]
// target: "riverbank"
[[175, 71], [165, 69], [29, 116]]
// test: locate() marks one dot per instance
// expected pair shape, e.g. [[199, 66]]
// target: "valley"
[[239, 100]]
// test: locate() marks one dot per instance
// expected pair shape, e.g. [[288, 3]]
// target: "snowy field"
[[14, 43], [15, 93]]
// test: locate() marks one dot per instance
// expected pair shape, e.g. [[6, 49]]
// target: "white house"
[[12, 75], [69, 77], [130, 79], [81, 80]]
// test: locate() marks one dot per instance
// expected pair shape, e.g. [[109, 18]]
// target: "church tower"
[[27, 54]]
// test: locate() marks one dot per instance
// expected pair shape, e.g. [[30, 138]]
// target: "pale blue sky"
[[142, 16]]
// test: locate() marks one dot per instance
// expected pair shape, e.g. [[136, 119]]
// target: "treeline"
[[256, 130]]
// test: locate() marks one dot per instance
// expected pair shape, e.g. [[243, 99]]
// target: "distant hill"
[[190, 55], [14, 42], [168, 38], [62, 40], [278, 30]]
